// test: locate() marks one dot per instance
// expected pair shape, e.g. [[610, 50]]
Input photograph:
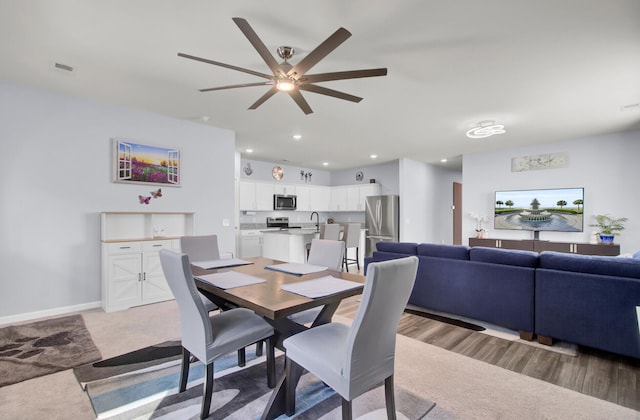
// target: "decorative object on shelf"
[[306, 176], [359, 176], [537, 162], [144, 200], [277, 173], [248, 170], [609, 227], [135, 163], [157, 194], [480, 232]]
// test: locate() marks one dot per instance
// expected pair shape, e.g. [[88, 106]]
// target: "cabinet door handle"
[[139, 276], [125, 247], [157, 245]]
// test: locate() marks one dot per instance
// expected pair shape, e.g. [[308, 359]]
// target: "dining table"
[[269, 298]]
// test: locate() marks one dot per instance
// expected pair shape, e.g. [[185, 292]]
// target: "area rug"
[[43, 347], [239, 393]]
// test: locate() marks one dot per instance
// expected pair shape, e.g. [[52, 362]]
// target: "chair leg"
[[357, 258], [242, 357], [347, 413], [184, 370], [208, 391], [259, 347], [271, 362], [290, 388], [389, 397]]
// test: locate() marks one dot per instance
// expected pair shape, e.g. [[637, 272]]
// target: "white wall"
[[56, 179], [426, 197], [606, 166], [385, 174]]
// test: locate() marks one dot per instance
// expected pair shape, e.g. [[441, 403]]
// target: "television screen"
[[558, 209]]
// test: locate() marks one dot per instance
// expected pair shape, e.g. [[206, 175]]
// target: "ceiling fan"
[[293, 79]]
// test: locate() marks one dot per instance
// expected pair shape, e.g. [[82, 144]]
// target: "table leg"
[[277, 402]]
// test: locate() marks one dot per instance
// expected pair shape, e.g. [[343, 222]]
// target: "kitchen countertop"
[[310, 231]]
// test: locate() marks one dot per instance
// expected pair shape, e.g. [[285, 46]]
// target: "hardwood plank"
[[516, 357], [541, 364], [570, 372], [601, 379], [628, 392]]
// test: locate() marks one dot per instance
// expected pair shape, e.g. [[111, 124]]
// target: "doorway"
[[456, 209]]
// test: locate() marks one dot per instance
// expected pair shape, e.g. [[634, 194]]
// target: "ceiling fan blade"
[[320, 52], [264, 97], [258, 45], [228, 66], [330, 92], [341, 75], [236, 86], [302, 103]]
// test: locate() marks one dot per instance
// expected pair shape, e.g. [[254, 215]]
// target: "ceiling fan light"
[[285, 85]]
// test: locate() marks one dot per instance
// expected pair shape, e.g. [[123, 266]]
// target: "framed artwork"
[[136, 163], [543, 161]]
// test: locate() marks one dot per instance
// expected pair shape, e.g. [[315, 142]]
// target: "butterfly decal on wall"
[[144, 200], [156, 194]]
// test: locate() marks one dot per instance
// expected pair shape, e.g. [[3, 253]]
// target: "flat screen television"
[[559, 210]]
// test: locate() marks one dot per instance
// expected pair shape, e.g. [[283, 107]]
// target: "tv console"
[[539, 246]]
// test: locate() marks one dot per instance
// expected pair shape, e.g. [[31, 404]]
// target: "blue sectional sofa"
[[587, 300], [488, 284]]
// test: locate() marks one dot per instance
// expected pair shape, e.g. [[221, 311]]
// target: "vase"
[[479, 234], [606, 239]]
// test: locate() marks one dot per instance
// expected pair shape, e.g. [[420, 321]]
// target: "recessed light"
[[297, 136], [249, 150], [325, 163], [373, 156], [444, 160]]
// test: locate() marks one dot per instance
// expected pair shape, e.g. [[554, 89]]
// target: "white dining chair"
[[205, 248], [355, 359], [351, 239], [208, 337], [201, 248], [325, 253], [329, 231]]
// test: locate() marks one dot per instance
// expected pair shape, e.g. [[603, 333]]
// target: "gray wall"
[[57, 173], [606, 166]]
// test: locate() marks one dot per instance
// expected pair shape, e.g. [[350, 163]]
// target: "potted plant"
[[609, 227]]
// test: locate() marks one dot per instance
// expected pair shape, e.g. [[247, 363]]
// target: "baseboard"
[[48, 312]]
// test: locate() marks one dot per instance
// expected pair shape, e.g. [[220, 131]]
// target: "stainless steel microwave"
[[284, 202]]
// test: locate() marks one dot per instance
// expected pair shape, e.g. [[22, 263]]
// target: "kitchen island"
[[288, 245]]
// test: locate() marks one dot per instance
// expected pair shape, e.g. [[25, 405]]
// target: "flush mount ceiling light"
[[297, 136], [484, 129]]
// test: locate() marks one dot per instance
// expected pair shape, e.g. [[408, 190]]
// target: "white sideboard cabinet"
[[131, 270]]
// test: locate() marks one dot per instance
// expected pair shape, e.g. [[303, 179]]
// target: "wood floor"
[[592, 372]]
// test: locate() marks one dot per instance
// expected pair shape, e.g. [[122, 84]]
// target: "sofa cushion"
[[456, 252], [636, 255], [408, 248], [504, 256], [591, 264]]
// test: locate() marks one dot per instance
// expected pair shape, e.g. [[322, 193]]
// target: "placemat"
[[319, 287], [230, 279], [222, 263], [297, 268]]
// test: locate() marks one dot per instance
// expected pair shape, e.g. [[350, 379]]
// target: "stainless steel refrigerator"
[[382, 220]]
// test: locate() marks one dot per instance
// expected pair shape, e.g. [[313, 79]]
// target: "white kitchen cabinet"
[[338, 199], [131, 270], [366, 191], [256, 196], [250, 243], [353, 198], [303, 194], [320, 198], [284, 189]]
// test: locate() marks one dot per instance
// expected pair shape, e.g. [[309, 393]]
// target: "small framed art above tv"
[[559, 210], [136, 163]]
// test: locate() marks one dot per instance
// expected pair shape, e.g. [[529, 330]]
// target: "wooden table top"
[[268, 299]]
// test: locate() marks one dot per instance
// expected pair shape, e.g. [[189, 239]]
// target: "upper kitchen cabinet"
[[256, 195], [319, 198], [284, 189], [338, 199], [303, 198]]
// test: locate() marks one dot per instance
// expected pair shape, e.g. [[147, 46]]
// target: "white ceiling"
[[547, 69]]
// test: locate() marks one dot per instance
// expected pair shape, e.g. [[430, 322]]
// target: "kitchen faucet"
[[317, 220]]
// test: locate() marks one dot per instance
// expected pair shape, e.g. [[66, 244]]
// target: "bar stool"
[[329, 231], [351, 239]]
